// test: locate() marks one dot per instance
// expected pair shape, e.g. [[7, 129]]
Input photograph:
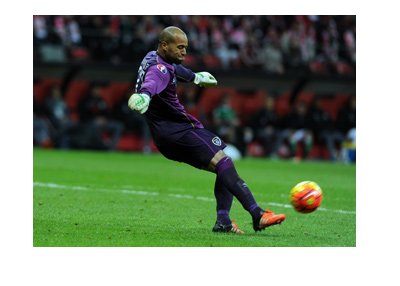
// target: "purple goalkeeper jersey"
[[166, 116]]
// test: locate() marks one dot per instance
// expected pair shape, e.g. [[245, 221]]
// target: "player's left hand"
[[205, 79], [139, 102]]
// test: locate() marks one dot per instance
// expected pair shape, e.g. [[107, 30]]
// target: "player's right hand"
[[139, 102]]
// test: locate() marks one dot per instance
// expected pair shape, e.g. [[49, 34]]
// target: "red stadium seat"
[[121, 89], [341, 99], [129, 142], [212, 96], [305, 96], [41, 88], [245, 103], [328, 105], [332, 105], [38, 92], [114, 92], [236, 102], [255, 102], [76, 90], [282, 106], [194, 111]]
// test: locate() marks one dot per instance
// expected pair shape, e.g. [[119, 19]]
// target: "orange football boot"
[[267, 219]]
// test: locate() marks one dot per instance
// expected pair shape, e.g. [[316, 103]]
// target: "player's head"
[[172, 45]]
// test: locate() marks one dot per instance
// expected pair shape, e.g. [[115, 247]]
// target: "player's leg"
[[223, 166], [226, 172], [197, 148], [224, 200], [202, 149]]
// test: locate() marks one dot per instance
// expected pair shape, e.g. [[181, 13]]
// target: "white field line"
[[148, 191]]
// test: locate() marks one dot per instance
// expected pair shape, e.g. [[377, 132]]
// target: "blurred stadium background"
[[301, 67]]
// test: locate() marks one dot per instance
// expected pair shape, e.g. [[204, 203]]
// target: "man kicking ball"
[[181, 137]]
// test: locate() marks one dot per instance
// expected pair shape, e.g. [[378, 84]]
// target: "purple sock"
[[224, 202], [227, 174]]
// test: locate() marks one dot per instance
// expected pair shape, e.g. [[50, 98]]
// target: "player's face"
[[175, 52]]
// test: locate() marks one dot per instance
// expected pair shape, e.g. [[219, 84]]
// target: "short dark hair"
[[169, 33]]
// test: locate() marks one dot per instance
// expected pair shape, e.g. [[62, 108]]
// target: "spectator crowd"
[[275, 44], [292, 135]]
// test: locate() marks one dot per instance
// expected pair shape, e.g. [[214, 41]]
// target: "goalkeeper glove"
[[139, 102], [204, 79]]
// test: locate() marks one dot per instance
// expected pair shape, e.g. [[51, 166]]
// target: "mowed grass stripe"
[[141, 190]]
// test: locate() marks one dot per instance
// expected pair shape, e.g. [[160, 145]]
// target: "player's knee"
[[217, 157], [220, 159]]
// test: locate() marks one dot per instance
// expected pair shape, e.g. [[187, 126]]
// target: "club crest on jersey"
[[216, 141], [162, 68]]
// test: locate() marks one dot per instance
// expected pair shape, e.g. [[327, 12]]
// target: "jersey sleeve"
[[155, 81], [184, 74]]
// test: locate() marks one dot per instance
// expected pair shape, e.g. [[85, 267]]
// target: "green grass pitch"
[[123, 199]]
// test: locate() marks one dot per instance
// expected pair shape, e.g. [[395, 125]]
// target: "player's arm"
[[184, 74], [200, 78], [154, 83]]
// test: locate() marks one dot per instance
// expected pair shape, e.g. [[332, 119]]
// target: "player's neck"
[[161, 55]]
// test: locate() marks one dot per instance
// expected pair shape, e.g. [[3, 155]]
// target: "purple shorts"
[[196, 147]]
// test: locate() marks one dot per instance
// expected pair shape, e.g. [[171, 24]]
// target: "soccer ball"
[[306, 196]]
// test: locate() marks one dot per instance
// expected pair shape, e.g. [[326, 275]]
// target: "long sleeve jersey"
[[166, 116]]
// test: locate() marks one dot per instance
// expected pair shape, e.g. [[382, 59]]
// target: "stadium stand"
[[322, 51], [320, 44]]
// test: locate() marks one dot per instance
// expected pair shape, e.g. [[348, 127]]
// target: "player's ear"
[[163, 45]]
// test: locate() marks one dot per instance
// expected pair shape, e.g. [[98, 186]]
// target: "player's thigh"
[[197, 147]]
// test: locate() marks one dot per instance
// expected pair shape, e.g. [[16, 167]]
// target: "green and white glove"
[[139, 102], [204, 79]]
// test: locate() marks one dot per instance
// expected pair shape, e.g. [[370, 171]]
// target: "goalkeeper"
[[181, 137]]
